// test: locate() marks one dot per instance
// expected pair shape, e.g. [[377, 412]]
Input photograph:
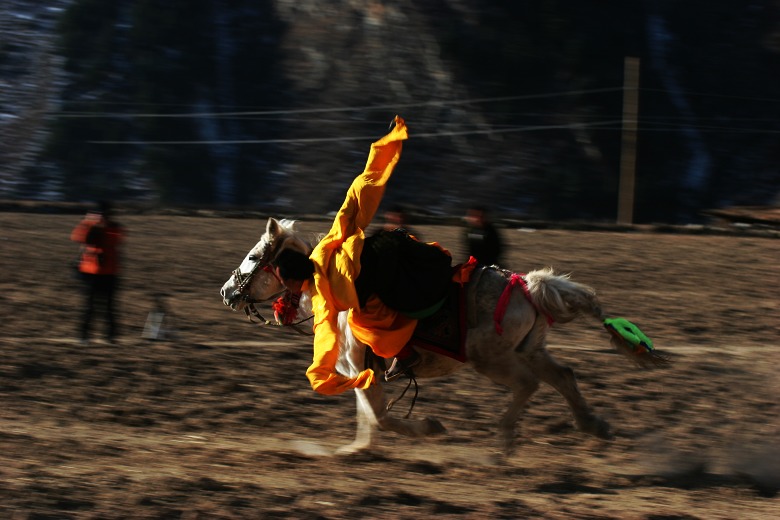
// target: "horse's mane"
[[288, 229]]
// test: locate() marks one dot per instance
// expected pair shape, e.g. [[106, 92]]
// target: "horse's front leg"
[[372, 415], [367, 423]]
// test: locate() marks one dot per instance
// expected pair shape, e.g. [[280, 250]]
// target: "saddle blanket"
[[444, 332]]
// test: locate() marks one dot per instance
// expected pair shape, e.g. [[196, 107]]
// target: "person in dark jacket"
[[483, 240], [397, 218], [100, 237]]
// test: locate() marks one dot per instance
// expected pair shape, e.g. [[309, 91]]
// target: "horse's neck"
[[304, 304], [305, 310]]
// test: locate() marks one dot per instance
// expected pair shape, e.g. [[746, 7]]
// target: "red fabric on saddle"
[[503, 302], [461, 273]]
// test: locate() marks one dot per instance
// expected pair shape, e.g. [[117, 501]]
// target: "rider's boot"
[[403, 363]]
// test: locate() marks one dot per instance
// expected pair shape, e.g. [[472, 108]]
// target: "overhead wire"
[[276, 112], [610, 125], [363, 108], [419, 135], [649, 123]]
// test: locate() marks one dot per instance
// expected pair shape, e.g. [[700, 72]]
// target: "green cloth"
[[629, 332], [425, 313]]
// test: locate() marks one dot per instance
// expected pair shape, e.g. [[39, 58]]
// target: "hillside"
[[31, 83], [272, 105]]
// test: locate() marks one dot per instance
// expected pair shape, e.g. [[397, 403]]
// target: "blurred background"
[[271, 105]]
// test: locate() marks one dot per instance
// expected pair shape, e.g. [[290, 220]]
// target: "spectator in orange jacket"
[[100, 236]]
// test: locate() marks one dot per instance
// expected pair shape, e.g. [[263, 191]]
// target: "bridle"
[[245, 279]]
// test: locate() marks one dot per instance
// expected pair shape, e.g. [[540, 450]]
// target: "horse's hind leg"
[[562, 379], [510, 372], [522, 390]]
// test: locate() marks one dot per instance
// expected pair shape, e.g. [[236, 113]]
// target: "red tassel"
[[286, 308]]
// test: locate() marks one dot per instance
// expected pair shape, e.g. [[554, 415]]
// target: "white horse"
[[517, 358]]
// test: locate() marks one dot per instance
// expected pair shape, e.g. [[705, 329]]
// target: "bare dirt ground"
[[221, 423]]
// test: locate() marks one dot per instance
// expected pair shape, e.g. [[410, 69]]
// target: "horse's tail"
[[563, 300], [560, 298]]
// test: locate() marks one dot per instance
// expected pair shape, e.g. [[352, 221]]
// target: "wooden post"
[[628, 153]]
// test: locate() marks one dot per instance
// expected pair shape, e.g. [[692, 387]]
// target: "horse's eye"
[[253, 258]]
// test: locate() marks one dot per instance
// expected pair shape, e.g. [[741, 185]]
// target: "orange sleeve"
[[338, 254], [322, 373], [79, 233], [89, 262], [337, 263]]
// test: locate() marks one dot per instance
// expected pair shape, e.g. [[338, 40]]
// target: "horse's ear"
[[273, 228]]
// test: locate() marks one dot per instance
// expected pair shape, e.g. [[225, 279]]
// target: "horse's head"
[[255, 279]]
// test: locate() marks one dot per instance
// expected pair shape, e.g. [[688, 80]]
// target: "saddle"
[[407, 275], [444, 332], [418, 280]]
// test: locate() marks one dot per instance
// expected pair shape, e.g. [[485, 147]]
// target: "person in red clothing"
[[100, 237]]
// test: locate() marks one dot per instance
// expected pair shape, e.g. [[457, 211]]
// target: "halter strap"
[[266, 265]]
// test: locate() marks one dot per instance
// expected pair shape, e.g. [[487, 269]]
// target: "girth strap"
[[516, 280]]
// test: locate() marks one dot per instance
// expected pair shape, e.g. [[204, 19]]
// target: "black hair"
[[294, 265]]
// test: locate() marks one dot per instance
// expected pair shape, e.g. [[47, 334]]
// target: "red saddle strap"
[[503, 302]]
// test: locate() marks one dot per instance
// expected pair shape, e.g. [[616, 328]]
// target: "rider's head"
[[293, 266]]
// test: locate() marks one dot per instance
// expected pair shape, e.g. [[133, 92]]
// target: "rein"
[[392, 402], [251, 311]]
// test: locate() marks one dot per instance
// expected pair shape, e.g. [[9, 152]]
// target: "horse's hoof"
[[602, 430], [597, 427], [509, 449], [355, 448], [434, 426]]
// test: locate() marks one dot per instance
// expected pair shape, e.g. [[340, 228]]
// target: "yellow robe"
[[337, 266]]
